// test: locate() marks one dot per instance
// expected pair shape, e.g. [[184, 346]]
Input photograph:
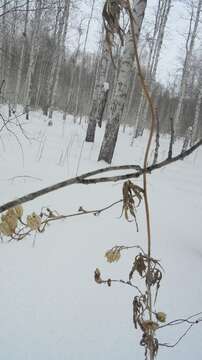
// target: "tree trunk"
[[155, 50], [99, 96], [83, 62], [33, 55], [60, 57], [22, 53], [59, 22], [112, 127], [195, 126], [190, 42]]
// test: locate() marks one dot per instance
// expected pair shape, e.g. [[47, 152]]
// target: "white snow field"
[[50, 306]]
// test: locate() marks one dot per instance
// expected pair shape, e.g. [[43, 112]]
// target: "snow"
[[51, 308]]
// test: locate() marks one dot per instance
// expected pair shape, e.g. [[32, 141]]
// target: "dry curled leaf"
[[97, 276], [132, 197], [139, 265], [150, 343]]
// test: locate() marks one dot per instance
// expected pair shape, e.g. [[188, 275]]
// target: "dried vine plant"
[[148, 268], [15, 225]]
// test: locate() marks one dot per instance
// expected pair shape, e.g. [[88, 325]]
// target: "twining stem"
[[153, 115]]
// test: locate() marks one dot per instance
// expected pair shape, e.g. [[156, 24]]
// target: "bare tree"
[[33, 55], [22, 54], [190, 42], [99, 95], [117, 106], [61, 51]]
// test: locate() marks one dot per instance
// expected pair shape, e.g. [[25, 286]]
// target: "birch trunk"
[[3, 42], [60, 58], [8, 67], [22, 54], [99, 95], [197, 117], [187, 139], [59, 22], [156, 46], [33, 54], [72, 78], [113, 124], [83, 61], [189, 50]]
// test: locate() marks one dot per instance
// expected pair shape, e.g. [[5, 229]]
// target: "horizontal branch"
[[84, 178]]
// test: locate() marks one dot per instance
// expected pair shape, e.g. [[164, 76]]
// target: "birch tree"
[[61, 50], [197, 117], [33, 54], [99, 95], [190, 42], [73, 73], [22, 54], [11, 41], [156, 43], [117, 106], [83, 59], [57, 35]]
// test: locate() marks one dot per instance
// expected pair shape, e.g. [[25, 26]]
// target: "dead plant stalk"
[[148, 146]]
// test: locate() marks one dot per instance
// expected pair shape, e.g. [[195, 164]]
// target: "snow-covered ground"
[[50, 306]]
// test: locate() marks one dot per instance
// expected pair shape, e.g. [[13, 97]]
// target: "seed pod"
[[161, 316]]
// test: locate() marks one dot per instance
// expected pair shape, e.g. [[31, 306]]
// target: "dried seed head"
[[149, 325], [113, 255], [5, 229], [33, 221], [18, 211], [161, 316], [11, 219]]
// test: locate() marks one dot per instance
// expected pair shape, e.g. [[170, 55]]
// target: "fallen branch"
[[83, 179]]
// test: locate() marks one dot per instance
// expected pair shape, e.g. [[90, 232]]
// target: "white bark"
[[189, 51], [155, 50], [22, 53], [73, 73], [60, 56], [83, 60], [59, 24], [98, 96], [8, 68], [33, 54], [112, 128], [197, 119]]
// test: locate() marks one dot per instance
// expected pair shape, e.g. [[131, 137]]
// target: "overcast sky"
[[174, 42]]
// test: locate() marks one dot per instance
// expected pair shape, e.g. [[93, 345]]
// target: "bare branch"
[[83, 179]]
